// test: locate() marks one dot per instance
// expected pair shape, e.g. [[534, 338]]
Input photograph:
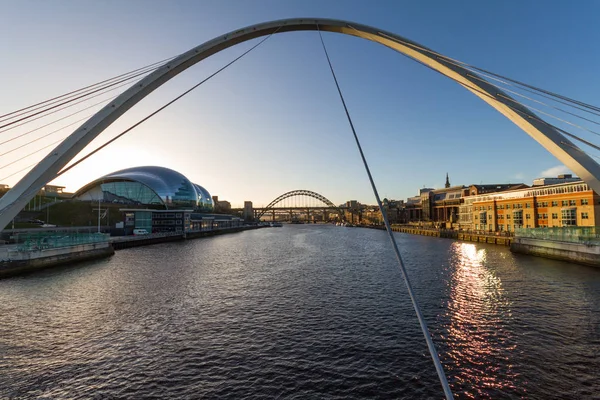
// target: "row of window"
[[166, 222], [583, 202], [167, 215], [566, 215]]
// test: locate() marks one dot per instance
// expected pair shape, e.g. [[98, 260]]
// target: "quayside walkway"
[[501, 238]]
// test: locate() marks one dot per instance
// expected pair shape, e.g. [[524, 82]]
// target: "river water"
[[302, 312]]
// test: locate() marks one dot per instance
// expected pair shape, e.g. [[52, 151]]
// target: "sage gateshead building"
[[156, 199]]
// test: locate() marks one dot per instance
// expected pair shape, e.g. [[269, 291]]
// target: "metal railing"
[[41, 240], [573, 234]]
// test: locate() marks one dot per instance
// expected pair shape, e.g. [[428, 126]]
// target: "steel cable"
[[430, 345], [35, 107], [54, 106]]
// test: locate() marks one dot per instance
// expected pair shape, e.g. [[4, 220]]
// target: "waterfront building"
[[451, 206], [394, 210], [465, 213], [566, 204], [221, 206], [157, 221], [564, 178], [248, 211], [413, 209], [156, 187], [371, 215]]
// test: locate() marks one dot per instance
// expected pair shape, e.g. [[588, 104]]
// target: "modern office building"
[[159, 187]]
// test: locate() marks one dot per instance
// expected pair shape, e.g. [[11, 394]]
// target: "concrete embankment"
[[451, 234], [19, 262], [580, 253], [124, 242]]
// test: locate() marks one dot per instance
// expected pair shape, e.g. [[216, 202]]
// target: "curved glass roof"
[[170, 187]]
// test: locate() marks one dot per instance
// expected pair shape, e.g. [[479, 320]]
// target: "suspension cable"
[[64, 170], [526, 115], [32, 153], [431, 346], [45, 136], [57, 120], [61, 107], [32, 107], [70, 100], [465, 65], [534, 100]]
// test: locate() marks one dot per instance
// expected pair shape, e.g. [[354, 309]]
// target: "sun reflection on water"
[[476, 317]]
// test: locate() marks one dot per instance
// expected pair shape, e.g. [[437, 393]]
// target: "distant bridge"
[[301, 206]]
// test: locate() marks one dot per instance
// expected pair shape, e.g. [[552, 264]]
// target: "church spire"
[[447, 185]]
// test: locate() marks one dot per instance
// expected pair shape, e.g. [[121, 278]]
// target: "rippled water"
[[304, 312]]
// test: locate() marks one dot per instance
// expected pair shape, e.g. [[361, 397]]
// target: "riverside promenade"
[[501, 238]]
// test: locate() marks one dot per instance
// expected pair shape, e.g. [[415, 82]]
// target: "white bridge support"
[[47, 169]]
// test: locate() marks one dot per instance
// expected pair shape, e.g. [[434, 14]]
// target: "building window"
[[555, 203], [507, 216], [569, 217], [584, 215], [554, 216], [527, 216], [584, 202], [178, 215], [527, 205], [508, 206], [572, 202], [501, 227], [518, 218], [565, 203]]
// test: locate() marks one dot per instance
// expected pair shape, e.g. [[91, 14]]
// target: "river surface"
[[302, 312]]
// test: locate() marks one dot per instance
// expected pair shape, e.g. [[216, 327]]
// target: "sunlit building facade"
[[568, 204]]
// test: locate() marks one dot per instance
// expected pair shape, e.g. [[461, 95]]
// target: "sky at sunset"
[[273, 121]]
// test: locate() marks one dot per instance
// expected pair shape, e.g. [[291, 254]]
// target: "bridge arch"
[[293, 193], [47, 169]]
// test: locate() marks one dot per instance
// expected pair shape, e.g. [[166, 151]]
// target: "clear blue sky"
[[273, 122]]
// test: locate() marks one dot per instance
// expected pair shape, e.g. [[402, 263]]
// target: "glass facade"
[[129, 193], [143, 220], [205, 201], [148, 186]]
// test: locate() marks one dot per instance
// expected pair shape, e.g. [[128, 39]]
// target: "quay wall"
[[21, 262], [24, 262], [580, 253], [451, 234], [125, 242]]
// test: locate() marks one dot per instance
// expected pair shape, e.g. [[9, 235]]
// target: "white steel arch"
[[46, 170]]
